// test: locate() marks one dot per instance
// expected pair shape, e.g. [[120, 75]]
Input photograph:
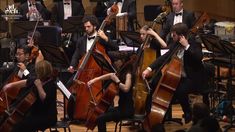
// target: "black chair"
[[135, 120], [60, 124]]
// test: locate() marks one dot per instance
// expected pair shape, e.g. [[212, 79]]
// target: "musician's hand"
[[115, 78], [92, 81], [21, 66], [183, 41], [146, 73], [37, 82], [6, 87], [102, 35], [71, 69], [151, 32]]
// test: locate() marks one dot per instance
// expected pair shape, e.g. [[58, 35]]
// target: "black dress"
[[42, 114], [124, 109]]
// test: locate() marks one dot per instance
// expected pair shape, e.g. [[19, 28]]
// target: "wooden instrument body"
[[163, 93], [101, 107], [140, 91], [16, 113], [8, 96]]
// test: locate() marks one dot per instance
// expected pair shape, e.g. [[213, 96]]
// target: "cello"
[[99, 107], [19, 108], [7, 97], [88, 69]]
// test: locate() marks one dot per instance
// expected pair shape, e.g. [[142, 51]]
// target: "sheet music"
[[64, 90]]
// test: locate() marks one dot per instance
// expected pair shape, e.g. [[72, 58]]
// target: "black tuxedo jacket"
[[58, 11], [81, 49], [188, 19], [192, 62], [23, 9]]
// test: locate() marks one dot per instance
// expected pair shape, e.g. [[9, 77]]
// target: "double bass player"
[[191, 75]]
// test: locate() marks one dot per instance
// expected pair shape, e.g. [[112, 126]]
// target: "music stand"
[[73, 24], [20, 29], [131, 38], [50, 35], [55, 55]]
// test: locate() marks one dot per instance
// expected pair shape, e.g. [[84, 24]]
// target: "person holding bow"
[[84, 44], [178, 15]]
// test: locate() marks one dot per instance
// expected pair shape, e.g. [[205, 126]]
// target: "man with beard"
[[191, 79], [84, 44]]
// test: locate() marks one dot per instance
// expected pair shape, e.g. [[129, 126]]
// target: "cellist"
[[191, 76], [124, 82], [83, 45], [43, 112]]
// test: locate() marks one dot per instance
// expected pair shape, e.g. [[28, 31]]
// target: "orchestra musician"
[[83, 45], [146, 30], [178, 15], [66, 8], [191, 76], [43, 112], [125, 108], [61, 11], [32, 11], [23, 63], [128, 7]]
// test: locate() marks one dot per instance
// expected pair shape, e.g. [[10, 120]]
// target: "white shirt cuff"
[[26, 72], [150, 69], [186, 48]]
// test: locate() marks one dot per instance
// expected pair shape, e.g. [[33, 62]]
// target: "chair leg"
[[120, 126], [116, 126]]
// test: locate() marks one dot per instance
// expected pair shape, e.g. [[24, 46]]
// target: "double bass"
[[162, 96], [146, 56], [169, 81], [87, 70]]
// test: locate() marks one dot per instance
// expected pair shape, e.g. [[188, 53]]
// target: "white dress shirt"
[[67, 8], [178, 18], [90, 42]]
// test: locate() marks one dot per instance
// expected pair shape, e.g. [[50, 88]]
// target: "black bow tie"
[[66, 3], [178, 14], [89, 38]]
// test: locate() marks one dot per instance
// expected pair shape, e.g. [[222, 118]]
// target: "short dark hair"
[[200, 111], [25, 48], [92, 19], [180, 29]]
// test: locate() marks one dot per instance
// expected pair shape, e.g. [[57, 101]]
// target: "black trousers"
[[184, 88], [113, 114], [33, 123]]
